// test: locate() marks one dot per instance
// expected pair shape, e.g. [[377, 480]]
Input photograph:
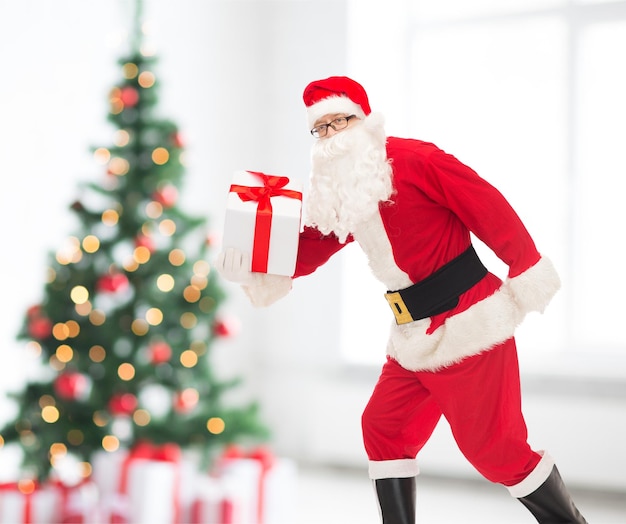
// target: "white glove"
[[233, 264]]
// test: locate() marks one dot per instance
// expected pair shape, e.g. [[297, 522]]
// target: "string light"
[[97, 317], [188, 320], [110, 443], [97, 353], [188, 358], [126, 371], [191, 294], [146, 79], [110, 217], [141, 255], [83, 309], [73, 328], [60, 331], [139, 327], [216, 425], [102, 155], [50, 414], [154, 210], [160, 156], [202, 267], [100, 418], [75, 437], [167, 227], [121, 138], [64, 353], [130, 70], [165, 282], [46, 400], [79, 294], [199, 281], [176, 257], [91, 243], [119, 166], [154, 316], [141, 417]]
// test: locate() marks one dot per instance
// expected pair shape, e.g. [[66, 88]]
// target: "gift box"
[[263, 214], [216, 503], [260, 486], [79, 503], [30, 504], [142, 485]]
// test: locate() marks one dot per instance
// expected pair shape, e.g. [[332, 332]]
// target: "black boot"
[[396, 499], [551, 503]]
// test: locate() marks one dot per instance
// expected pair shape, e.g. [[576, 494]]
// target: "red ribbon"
[[27, 514], [272, 186], [265, 458], [147, 451]]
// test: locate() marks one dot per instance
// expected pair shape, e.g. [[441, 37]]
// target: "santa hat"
[[336, 94]]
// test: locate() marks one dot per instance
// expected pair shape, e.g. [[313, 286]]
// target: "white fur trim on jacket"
[[534, 288], [484, 325], [265, 289]]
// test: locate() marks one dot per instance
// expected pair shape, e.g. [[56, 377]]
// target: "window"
[[529, 93]]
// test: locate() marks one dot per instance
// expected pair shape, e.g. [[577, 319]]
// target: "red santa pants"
[[479, 397]]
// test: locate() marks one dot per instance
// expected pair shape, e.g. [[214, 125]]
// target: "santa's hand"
[[234, 265]]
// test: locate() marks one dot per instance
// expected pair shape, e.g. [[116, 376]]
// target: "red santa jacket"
[[437, 202]]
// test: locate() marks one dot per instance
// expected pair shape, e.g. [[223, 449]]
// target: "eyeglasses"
[[337, 124]]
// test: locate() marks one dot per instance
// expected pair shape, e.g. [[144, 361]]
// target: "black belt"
[[440, 291]]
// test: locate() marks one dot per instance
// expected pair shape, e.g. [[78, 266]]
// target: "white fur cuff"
[[265, 289], [533, 289], [398, 468]]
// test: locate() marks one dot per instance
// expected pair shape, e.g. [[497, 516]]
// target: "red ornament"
[[213, 239], [71, 386], [186, 400], [122, 404], [225, 327], [166, 195], [159, 352], [145, 241], [39, 328], [177, 140], [112, 283], [129, 96]]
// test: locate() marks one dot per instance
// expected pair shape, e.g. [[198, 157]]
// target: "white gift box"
[[215, 503], [43, 506], [261, 496], [240, 224], [153, 491]]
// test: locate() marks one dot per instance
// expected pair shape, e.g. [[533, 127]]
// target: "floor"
[[339, 496]]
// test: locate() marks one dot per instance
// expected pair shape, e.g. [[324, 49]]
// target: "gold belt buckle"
[[398, 307]]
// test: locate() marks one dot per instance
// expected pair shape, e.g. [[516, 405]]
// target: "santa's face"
[[350, 175]]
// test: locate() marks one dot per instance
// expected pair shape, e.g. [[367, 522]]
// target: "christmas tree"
[[130, 308]]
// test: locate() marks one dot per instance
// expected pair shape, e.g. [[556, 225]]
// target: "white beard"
[[350, 176]]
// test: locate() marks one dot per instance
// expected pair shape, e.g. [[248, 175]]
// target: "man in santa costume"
[[411, 207]]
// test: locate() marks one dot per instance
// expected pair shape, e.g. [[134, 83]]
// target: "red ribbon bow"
[[272, 186]]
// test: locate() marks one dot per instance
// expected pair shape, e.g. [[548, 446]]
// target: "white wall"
[[232, 75]]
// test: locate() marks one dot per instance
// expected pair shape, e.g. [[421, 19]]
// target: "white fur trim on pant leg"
[[536, 478], [391, 469]]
